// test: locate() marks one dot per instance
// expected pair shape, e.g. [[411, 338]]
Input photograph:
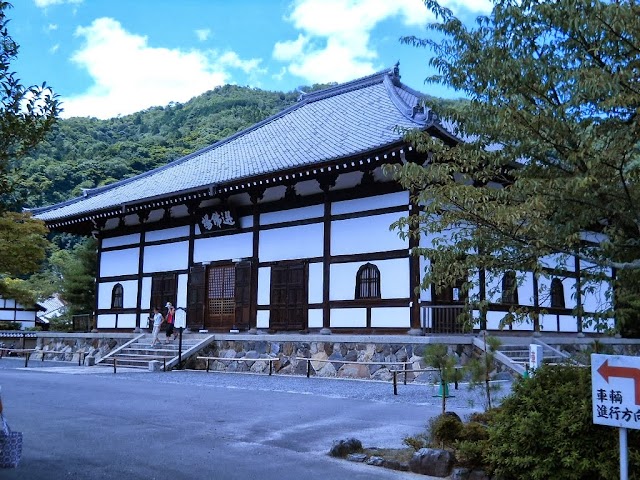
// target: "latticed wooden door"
[[221, 303], [289, 296], [196, 290]]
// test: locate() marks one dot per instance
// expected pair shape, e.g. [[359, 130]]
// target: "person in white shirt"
[[157, 321]]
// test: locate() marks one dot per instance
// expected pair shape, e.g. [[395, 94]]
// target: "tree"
[[550, 157], [26, 115], [437, 356]]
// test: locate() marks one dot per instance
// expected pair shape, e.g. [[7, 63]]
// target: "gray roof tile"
[[339, 122]]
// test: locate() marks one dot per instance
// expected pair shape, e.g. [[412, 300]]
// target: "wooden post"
[[207, 365], [115, 360], [308, 368], [270, 366], [405, 373], [395, 382], [26, 358]]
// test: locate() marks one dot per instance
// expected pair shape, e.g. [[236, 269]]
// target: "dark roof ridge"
[[350, 86]]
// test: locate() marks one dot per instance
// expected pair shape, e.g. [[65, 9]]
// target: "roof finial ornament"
[[396, 69]]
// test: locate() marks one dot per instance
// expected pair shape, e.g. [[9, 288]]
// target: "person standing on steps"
[[157, 321], [171, 316]]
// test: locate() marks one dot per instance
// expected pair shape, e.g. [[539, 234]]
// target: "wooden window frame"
[[510, 288], [557, 293], [368, 282], [117, 297]]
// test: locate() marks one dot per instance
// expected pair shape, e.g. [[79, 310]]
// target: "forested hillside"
[[87, 152]]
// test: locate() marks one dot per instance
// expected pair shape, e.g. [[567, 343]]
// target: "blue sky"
[[115, 57]]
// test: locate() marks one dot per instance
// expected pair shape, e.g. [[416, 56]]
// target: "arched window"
[[557, 293], [117, 295], [510, 288], [368, 281]]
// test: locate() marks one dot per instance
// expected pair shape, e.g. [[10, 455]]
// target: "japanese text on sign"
[[616, 390]]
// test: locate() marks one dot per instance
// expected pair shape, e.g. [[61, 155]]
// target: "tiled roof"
[[342, 121]]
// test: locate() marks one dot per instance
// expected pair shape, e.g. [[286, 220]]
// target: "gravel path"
[[463, 399]]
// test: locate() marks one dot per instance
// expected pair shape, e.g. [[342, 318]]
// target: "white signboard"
[[615, 391], [535, 356], [181, 318]]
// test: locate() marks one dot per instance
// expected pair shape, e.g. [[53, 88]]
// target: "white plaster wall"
[[394, 279], [167, 234], [130, 290], [144, 320], [246, 222], [315, 282], [366, 235], [291, 215], [391, 317], [126, 320], [348, 317], [371, 203], [565, 262], [315, 318], [106, 321], [182, 291], [119, 262], [525, 290], [132, 239], [291, 243], [425, 294], [26, 315], [568, 323], [264, 285], [596, 298], [225, 247], [7, 315], [9, 303], [262, 320], [549, 322], [167, 257], [145, 299]]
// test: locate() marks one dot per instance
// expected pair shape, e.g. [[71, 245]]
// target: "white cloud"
[[129, 75], [203, 34], [51, 27], [335, 39], [54, 48], [48, 3]]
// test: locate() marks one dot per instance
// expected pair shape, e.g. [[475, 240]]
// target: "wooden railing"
[[28, 351]]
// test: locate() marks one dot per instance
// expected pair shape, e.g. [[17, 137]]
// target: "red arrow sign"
[[621, 372]]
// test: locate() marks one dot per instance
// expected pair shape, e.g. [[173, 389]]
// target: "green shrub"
[[472, 454], [444, 430], [417, 441], [9, 325], [544, 431]]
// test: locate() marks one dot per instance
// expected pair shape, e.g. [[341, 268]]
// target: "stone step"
[[129, 362]]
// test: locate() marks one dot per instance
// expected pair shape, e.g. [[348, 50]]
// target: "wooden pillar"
[[536, 303], [414, 267], [578, 294], [326, 182], [98, 225], [482, 284], [143, 216], [256, 195]]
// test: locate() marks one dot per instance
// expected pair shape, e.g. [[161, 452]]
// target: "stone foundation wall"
[[327, 358], [95, 345]]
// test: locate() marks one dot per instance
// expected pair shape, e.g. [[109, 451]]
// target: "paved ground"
[[87, 423]]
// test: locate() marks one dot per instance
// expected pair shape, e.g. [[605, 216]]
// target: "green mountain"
[[87, 152]]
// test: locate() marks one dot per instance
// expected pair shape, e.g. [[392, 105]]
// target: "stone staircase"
[[514, 352], [139, 352], [519, 354]]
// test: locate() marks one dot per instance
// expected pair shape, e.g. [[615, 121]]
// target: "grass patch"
[[401, 455]]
